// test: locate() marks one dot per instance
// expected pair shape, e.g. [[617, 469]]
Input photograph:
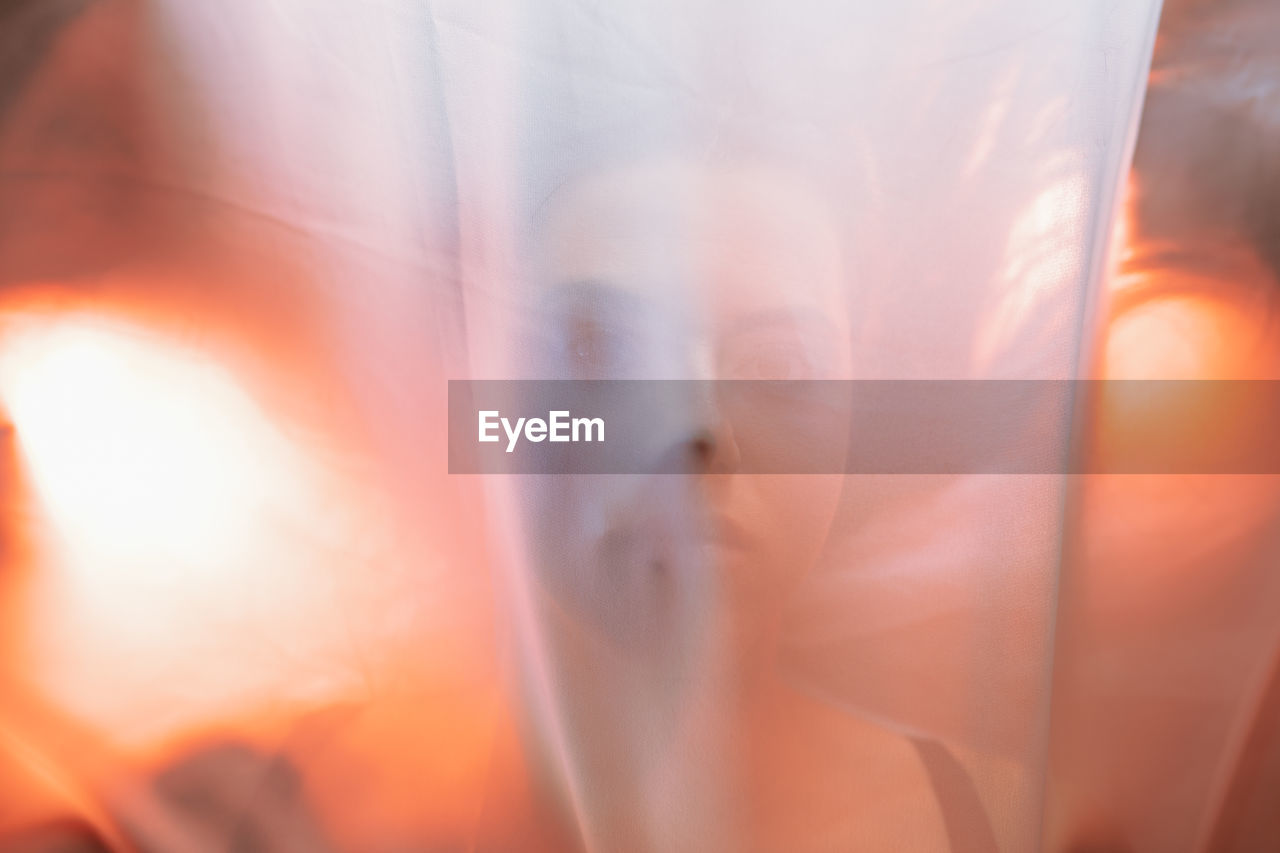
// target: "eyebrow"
[[594, 294], [804, 319]]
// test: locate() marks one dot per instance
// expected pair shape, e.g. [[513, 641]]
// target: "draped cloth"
[[245, 245]]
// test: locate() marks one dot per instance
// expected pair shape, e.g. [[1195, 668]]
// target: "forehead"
[[729, 235]]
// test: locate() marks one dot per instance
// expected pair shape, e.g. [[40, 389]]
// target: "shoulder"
[[869, 784]]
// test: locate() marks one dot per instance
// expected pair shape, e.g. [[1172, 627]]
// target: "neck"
[[650, 746]]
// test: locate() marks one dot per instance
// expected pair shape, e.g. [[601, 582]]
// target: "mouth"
[[726, 533], [659, 526]]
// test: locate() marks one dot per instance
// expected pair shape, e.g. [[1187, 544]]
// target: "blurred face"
[[665, 271]]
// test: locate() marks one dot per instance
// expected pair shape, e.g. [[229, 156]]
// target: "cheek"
[[793, 514], [565, 516], [592, 551]]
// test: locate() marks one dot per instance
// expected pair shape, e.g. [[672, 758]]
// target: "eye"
[[770, 360], [593, 330], [592, 348]]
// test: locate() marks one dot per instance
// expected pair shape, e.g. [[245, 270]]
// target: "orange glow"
[[167, 506], [134, 447]]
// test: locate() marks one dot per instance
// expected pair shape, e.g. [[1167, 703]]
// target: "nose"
[[711, 445], [703, 450], [703, 441]]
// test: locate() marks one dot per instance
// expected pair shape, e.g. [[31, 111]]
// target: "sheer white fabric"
[[245, 244]]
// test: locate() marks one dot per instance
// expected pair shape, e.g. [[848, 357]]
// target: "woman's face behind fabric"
[[668, 271]]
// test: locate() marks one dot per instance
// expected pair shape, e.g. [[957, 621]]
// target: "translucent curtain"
[[245, 246]]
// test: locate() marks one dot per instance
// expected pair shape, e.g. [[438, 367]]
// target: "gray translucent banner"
[[864, 427]]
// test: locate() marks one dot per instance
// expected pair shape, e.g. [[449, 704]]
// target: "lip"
[[675, 515], [727, 533]]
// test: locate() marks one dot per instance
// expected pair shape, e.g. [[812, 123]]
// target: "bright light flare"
[[135, 447], [196, 556]]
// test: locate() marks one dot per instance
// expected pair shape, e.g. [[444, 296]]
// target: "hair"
[[561, 143], [1205, 171], [28, 31]]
